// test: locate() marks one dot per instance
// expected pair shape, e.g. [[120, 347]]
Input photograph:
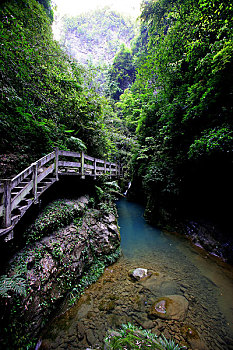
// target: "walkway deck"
[[19, 193]]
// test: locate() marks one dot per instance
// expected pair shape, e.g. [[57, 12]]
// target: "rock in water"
[[193, 338], [171, 307], [138, 274]]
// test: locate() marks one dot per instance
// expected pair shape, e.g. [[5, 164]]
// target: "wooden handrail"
[[27, 186]]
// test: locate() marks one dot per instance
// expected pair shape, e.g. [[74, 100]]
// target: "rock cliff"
[[52, 267]]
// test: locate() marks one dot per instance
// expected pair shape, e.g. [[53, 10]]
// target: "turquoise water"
[[138, 237], [204, 280]]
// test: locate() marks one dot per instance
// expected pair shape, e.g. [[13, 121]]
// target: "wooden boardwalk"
[[19, 193]]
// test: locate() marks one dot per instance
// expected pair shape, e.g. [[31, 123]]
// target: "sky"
[[75, 7]]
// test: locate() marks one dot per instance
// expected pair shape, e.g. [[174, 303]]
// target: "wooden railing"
[[19, 193]]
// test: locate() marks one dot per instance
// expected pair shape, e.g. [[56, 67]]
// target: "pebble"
[[148, 324], [90, 337]]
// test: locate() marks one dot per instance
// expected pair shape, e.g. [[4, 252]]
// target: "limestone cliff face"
[[96, 36], [56, 263]]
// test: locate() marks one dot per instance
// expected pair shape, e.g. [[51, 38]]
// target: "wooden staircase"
[[19, 193]]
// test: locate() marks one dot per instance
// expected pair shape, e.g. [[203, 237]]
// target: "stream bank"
[[199, 287], [39, 277], [209, 231]]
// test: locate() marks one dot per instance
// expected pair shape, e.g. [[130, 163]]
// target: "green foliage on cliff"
[[46, 99], [181, 102], [56, 215], [121, 74], [96, 36]]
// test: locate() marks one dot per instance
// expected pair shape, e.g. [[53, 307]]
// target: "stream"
[[180, 269]]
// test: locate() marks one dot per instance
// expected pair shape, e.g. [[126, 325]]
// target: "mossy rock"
[[171, 307]]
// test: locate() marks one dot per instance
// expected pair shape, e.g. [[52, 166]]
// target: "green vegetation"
[[121, 74], [56, 215], [107, 192], [130, 337], [96, 36], [181, 108], [46, 97], [14, 284], [92, 275], [165, 103]]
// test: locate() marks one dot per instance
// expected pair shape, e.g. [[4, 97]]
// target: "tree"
[[121, 73]]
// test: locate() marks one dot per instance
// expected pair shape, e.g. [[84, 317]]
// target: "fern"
[[15, 284], [169, 344], [132, 337]]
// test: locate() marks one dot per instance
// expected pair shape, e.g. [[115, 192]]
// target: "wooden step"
[[15, 219], [24, 182], [19, 187], [23, 209]]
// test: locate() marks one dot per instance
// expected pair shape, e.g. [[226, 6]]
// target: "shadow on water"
[[114, 299]]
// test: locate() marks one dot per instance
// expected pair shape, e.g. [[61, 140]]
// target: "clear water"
[[205, 278], [206, 282]]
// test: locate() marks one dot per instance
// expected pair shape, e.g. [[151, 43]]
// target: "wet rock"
[[168, 288], [80, 330], [107, 305], [65, 254], [173, 307], [90, 337], [160, 324], [148, 324], [153, 283], [191, 335], [139, 274]]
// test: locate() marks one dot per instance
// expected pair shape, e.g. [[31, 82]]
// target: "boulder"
[[171, 307], [191, 335], [139, 274]]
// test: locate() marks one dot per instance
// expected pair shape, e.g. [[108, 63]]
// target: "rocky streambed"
[[118, 298]]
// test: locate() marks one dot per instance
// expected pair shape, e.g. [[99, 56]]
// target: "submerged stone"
[[191, 335], [171, 307]]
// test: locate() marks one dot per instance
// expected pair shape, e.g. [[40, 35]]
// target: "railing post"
[[105, 170], [110, 176], [56, 162], [34, 179], [7, 203], [82, 165], [95, 169], [118, 170]]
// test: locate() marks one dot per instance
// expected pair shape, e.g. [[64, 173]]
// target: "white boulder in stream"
[[139, 273]]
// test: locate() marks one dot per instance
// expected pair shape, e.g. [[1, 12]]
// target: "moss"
[[56, 215]]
